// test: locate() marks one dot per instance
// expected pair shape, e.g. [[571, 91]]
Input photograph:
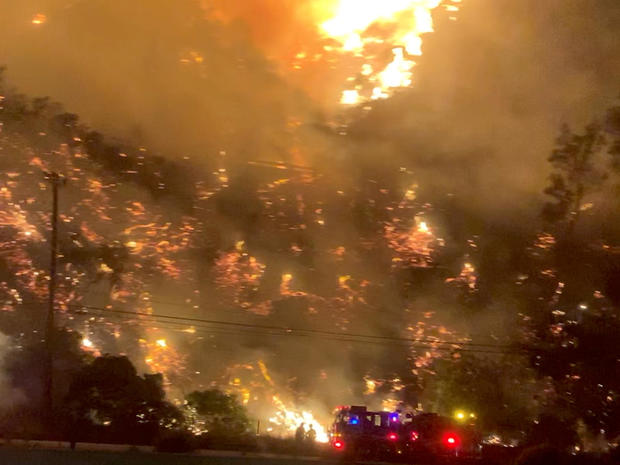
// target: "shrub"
[[175, 442], [541, 455]]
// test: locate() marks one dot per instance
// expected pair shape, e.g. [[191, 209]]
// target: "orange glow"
[[363, 49], [39, 19], [360, 25]]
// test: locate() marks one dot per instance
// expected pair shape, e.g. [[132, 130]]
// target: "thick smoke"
[[490, 94], [9, 395], [153, 72]]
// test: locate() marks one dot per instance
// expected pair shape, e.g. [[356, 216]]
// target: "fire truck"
[[428, 436], [360, 434]]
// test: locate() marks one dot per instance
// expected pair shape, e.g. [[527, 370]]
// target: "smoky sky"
[[489, 93], [119, 66]]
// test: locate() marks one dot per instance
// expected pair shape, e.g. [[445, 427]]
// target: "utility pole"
[[55, 180]]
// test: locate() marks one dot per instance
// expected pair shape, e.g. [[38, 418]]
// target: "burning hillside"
[[127, 257], [304, 203]]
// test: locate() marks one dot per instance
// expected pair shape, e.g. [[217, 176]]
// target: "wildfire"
[[127, 245], [361, 27], [160, 357], [413, 246], [289, 419], [369, 47], [238, 275], [371, 385], [286, 420], [467, 277]]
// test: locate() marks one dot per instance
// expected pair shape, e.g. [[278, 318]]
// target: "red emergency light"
[[392, 436], [451, 440]]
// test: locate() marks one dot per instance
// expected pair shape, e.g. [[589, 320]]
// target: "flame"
[[353, 17], [359, 26], [287, 419], [155, 244], [160, 357], [466, 278], [371, 385], [290, 419], [413, 246], [363, 49], [238, 274]]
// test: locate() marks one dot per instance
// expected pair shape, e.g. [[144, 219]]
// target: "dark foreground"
[[10, 455], [19, 456], [23, 456]]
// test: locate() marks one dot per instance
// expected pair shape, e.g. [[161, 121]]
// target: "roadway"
[[23, 456]]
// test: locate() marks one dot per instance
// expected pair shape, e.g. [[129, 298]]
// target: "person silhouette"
[[311, 435], [300, 433]]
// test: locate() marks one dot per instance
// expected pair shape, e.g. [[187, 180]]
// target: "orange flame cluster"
[[413, 246], [368, 47], [365, 28]]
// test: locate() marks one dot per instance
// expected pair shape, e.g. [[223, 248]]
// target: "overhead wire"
[[257, 329], [245, 332], [285, 328], [204, 325]]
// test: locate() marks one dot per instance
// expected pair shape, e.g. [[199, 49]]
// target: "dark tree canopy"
[[220, 412], [109, 396]]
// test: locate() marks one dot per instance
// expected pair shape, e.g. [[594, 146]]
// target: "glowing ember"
[[413, 246], [129, 245], [466, 278], [238, 275], [39, 18]]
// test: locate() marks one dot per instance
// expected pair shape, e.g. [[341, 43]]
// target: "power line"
[[186, 305], [284, 328], [245, 332], [305, 332], [249, 328]]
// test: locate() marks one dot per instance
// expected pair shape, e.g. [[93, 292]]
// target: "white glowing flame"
[[350, 97], [291, 419], [398, 72], [350, 23]]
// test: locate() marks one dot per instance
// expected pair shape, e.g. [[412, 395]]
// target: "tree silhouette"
[[499, 391], [109, 397], [24, 367], [612, 126], [577, 173], [218, 412]]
